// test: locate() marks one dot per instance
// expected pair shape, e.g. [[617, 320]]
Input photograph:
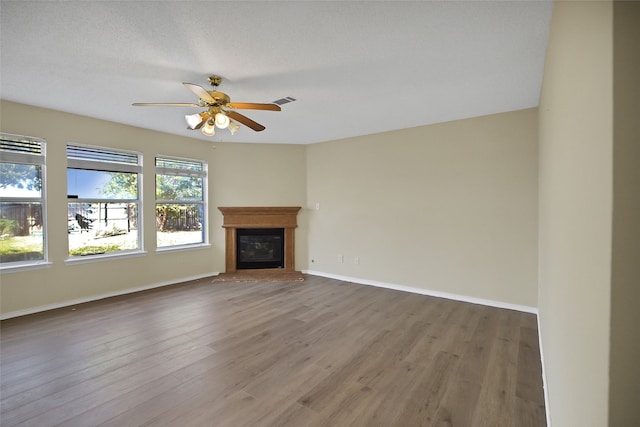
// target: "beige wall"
[[624, 386], [469, 185], [450, 207], [240, 174], [575, 205]]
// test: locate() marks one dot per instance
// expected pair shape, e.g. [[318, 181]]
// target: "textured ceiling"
[[355, 68]]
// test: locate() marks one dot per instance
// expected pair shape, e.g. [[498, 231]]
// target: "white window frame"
[[94, 163], [204, 173], [27, 158]]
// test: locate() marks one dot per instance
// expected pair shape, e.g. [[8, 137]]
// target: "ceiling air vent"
[[284, 100]]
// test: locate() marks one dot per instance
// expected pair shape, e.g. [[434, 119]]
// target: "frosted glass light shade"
[[233, 127], [222, 121], [193, 120], [209, 129]]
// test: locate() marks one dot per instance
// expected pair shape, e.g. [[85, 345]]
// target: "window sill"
[[27, 266], [103, 257], [181, 248]]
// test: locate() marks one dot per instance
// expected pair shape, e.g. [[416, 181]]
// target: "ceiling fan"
[[219, 109]]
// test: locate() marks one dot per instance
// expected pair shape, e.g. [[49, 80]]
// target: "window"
[[180, 202], [22, 200], [104, 200]]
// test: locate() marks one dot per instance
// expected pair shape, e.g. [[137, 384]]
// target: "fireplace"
[[259, 248], [260, 238]]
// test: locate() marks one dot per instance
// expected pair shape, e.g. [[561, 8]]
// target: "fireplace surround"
[[257, 218]]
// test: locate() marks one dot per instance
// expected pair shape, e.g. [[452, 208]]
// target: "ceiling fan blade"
[[254, 106], [200, 92], [245, 121], [164, 104]]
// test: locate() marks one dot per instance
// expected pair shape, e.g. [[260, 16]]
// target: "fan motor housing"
[[221, 98]]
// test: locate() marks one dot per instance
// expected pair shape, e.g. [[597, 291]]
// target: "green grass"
[[94, 250], [28, 248], [21, 248]]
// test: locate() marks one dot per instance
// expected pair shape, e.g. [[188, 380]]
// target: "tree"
[[27, 177], [18, 216], [122, 185], [172, 187], [168, 187]]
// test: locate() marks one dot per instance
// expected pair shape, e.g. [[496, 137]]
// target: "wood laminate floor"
[[316, 353]]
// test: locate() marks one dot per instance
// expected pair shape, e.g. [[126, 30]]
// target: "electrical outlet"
[[357, 260], [341, 259]]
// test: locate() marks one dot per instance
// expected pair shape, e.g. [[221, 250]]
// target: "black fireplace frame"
[[276, 233]]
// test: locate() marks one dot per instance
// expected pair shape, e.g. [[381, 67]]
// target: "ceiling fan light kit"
[[222, 121], [219, 110], [233, 127], [194, 120], [209, 129]]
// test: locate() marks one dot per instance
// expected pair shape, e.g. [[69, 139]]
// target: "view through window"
[[180, 202], [22, 201], [104, 200]]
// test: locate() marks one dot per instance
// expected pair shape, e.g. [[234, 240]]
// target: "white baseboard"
[[439, 294], [101, 296], [544, 376]]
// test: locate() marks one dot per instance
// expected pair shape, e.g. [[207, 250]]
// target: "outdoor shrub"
[[7, 226]]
